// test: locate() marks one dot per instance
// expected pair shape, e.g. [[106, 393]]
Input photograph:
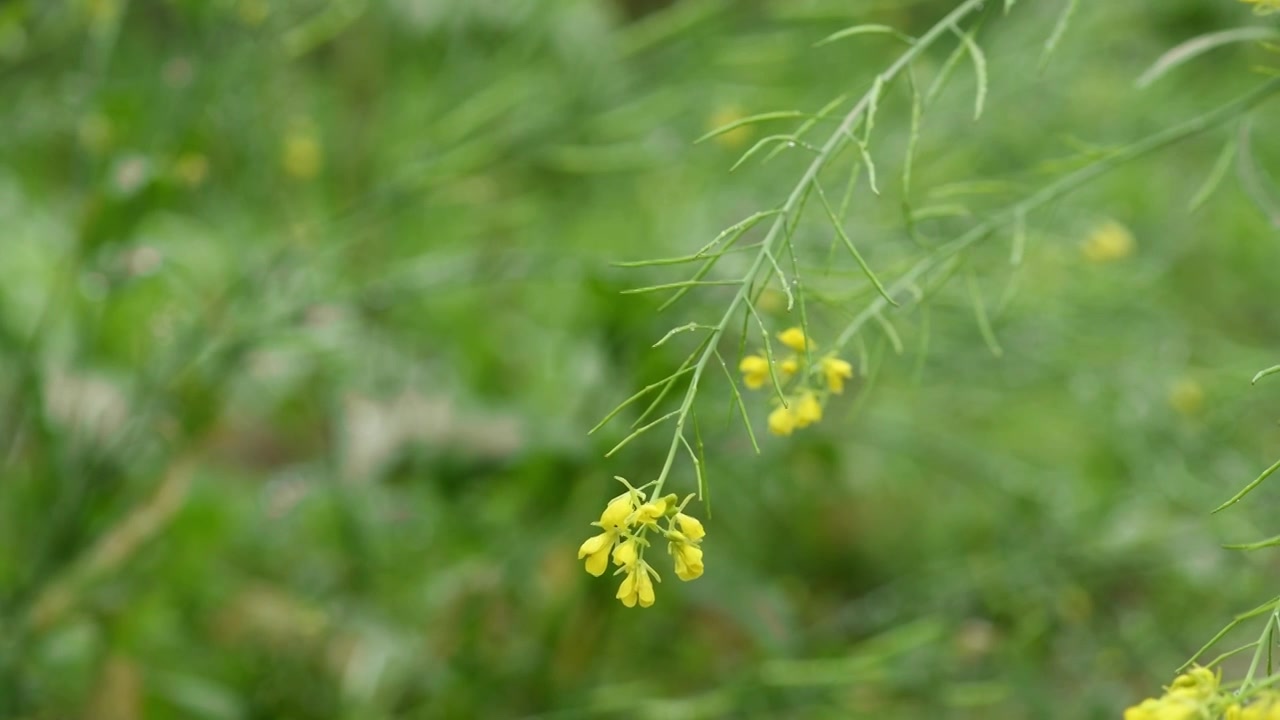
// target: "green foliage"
[[306, 309]]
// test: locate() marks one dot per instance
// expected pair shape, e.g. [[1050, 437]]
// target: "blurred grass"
[[306, 308]]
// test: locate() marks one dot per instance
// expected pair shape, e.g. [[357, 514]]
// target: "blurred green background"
[[306, 308]]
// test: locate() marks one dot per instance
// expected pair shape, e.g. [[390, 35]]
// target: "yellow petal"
[[782, 421], [795, 339], [644, 588], [593, 544], [615, 515], [754, 364], [789, 367], [651, 512], [691, 526], [627, 590], [596, 552], [755, 371], [836, 371], [688, 560], [626, 554], [808, 410]]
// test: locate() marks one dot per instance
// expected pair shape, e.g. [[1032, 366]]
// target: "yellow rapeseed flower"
[[1198, 684], [789, 367], [1189, 697], [191, 169], [301, 155], [1163, 709], [253, 12], [836, 371], [626, 554], [1264, 7], [595, 550], [95, 132], [807, 410], [1187, 397], [782, 421], [615, 514], [755, 371], [651, 512], [1263, 707], [687, 555], [727, 115], [795, 339], [1108, 242], [690, 526], [637, 586]]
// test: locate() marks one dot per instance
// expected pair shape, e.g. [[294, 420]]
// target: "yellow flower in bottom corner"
[[1188, 698], [1264, 7], [782, 421], [636, 587]]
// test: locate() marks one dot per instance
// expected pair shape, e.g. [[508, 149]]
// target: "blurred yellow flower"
[[1198, 684], [727, 115], [807, 410], [782, 421], [795, 339], [1188, 697], [191, 169], [637, 586], [102, 12], [772, 300], [1108, 242], [836, 371], [789, 367], [253, 12], [302, 155], [1264, 7], [95, 132], [755, 371], [1187, 397], [1163, 709]]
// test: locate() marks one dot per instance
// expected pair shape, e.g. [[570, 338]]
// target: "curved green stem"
[[776, 234]]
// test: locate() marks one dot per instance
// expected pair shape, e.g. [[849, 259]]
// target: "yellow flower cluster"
[[1265, 707], [1189, 697], [625, 522], [804, 401], [1264, 7]]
